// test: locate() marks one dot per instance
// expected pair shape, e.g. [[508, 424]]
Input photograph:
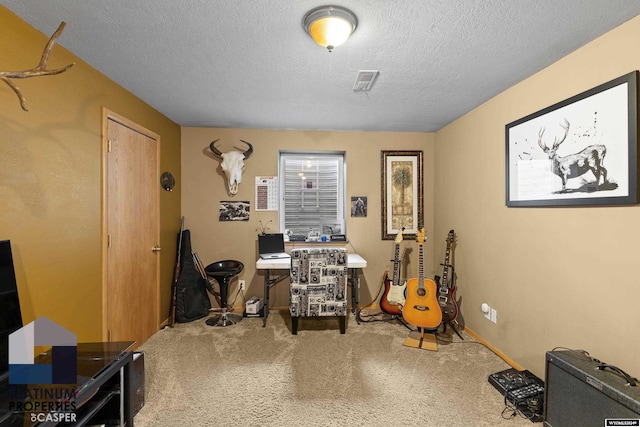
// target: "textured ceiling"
[[249, 63]]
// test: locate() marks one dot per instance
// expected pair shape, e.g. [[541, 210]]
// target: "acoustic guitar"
[[421, 308], [446, 286], [393, 297]]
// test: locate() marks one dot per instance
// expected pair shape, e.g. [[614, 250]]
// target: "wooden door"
[[132, 218]]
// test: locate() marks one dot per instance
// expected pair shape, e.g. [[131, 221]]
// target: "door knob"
[[156, 249]]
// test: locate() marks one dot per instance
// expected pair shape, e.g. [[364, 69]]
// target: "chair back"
[[318, 282]]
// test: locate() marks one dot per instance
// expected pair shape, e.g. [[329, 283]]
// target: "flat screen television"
[[10, 314]]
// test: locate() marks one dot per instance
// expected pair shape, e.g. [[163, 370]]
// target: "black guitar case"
[[192, 300]]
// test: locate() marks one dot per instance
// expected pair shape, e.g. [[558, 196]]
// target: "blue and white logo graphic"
[[42, 332]]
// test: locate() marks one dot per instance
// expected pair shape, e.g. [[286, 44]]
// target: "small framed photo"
[[234, 211], [359, 206]]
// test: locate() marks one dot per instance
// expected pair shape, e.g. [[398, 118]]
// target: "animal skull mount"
[[232, 164]]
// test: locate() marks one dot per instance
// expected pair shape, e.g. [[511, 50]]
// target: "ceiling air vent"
[[365, 80]]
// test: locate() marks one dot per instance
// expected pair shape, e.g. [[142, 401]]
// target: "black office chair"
[[223, 272]]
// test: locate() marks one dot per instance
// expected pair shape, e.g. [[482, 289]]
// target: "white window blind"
[[312, 193]]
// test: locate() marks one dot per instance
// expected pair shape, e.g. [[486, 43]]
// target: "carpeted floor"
[[247, 375]]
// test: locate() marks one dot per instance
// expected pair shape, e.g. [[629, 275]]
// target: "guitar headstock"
[[420, 236], [451, 238], [399, 237]]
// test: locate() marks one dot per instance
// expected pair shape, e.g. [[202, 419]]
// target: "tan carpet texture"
[[247, 375]]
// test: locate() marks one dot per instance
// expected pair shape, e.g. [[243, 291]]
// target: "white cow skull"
[[232, 164]]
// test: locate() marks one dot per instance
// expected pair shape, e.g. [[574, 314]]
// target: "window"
[[312, 193]]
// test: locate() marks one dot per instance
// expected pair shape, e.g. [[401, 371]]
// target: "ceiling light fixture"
[[330, 26]]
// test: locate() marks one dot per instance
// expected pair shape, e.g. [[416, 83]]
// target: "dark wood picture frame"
[[581, 151], [402, 187]]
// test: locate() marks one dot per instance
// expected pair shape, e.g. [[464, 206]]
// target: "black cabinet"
[[104, 395]]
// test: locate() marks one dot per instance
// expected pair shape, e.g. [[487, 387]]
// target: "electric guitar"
[[447, 287], [421, 308], [393, 297]]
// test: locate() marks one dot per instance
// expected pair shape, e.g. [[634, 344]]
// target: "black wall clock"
[[167, 181]]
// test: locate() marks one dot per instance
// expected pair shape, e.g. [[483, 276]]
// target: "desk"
[[354, 263]]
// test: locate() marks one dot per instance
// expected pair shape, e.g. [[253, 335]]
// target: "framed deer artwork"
[[581, 151]]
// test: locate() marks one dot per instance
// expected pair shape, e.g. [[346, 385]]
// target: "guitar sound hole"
[[421, 292]]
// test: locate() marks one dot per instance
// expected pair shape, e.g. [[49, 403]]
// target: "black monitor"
[[10, 314]]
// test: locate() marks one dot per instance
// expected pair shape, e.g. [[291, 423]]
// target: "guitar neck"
[[396, 266], [446, 265], [445, 272], [420, 266]]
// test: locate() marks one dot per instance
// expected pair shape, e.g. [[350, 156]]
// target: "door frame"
[[106, 116]]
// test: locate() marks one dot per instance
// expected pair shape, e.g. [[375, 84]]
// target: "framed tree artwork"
[[402, 193]]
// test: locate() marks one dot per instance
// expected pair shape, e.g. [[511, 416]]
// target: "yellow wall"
[[203, 187], [50, 180], [557, 276]]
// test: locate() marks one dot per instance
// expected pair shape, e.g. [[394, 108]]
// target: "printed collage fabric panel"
[[318, 282]]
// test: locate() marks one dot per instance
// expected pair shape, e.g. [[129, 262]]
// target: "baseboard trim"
[[495, 350]]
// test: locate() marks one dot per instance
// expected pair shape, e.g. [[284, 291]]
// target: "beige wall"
[[50, 180], [203, 187], [558, 277]]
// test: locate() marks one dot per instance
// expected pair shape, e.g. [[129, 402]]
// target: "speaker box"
[[137, 380], [578, 394]]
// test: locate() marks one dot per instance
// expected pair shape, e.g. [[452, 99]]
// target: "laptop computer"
[[271, 246]]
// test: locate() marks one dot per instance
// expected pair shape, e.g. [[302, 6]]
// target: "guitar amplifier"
[[579, 394]]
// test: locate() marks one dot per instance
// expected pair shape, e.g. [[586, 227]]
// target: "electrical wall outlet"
[[486, 310], [494, 315], [241, 284]]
